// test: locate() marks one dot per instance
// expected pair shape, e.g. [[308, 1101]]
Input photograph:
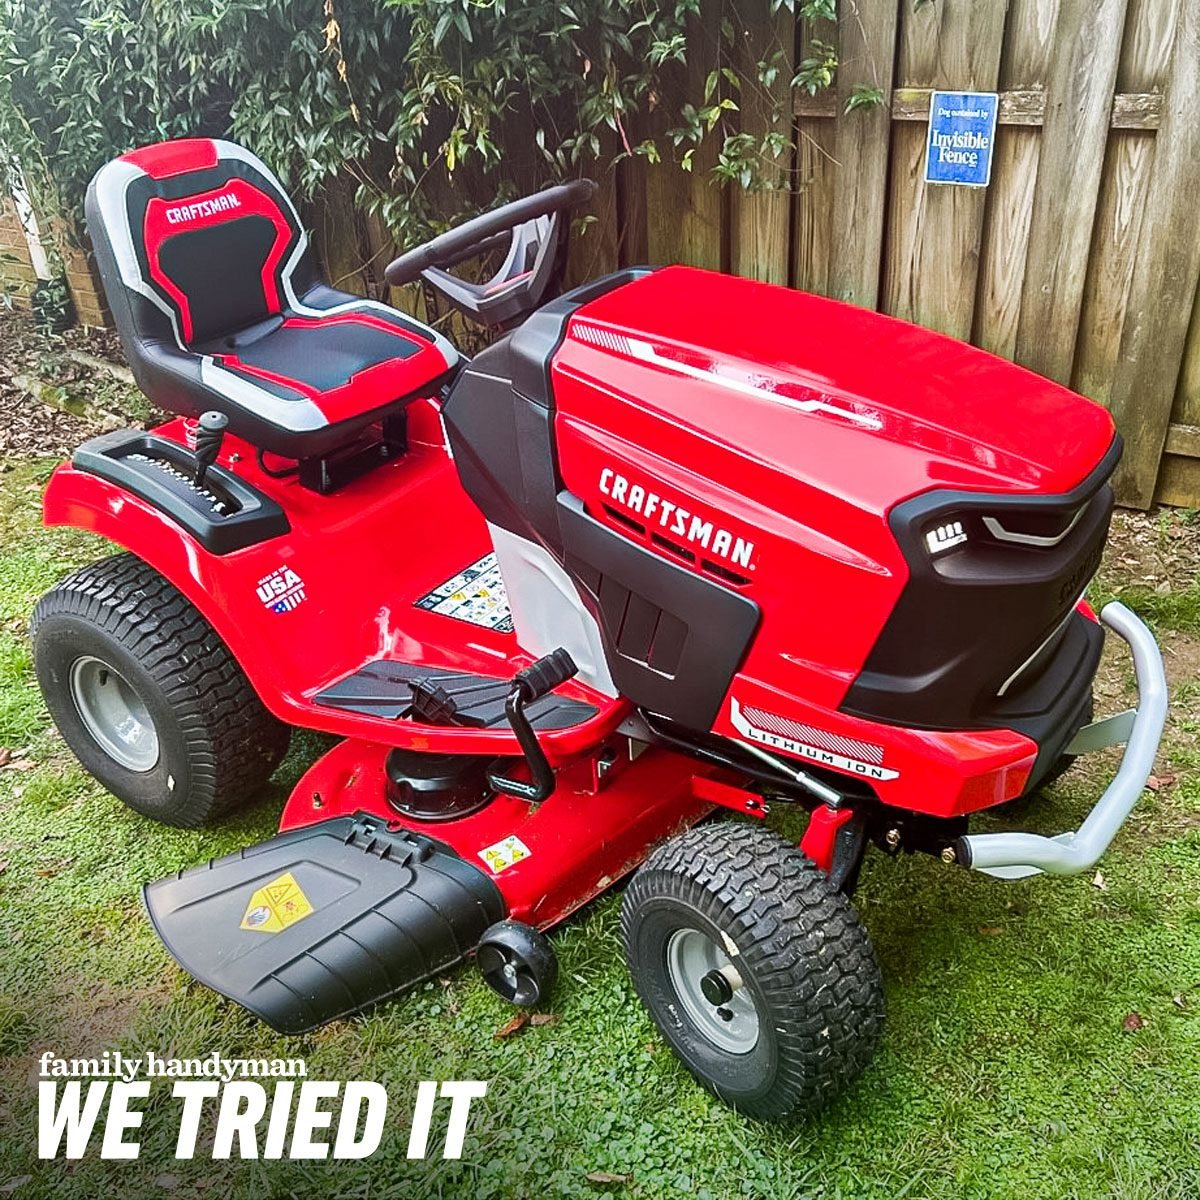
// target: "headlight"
[[945, 536]]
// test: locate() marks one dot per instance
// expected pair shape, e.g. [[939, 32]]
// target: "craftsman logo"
[[824, 749], [180, 214], [676, 521], [282, 590]]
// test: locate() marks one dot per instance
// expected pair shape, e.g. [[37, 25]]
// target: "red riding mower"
[[673, 541]]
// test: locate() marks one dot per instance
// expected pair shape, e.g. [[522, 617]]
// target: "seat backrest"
[[194, 238]]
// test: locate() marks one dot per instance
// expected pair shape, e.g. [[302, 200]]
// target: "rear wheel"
[[756, 971], [147, 696]]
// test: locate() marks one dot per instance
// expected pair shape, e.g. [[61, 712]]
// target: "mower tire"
[[148, 697], [755, 969]]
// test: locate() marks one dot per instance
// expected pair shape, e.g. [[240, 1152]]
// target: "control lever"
[[531, 684], [210, 433]]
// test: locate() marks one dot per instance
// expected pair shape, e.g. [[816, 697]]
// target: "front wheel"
[[755, 969], [148, 697]]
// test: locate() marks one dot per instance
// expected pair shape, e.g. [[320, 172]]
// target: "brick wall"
[[17, 278], [85, 285]]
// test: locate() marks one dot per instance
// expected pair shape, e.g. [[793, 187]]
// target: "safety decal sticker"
[[276, 905], [476, 595], [281, 590], [504, 854]]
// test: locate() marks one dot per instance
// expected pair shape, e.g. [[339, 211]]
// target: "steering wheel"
[[535, 231]]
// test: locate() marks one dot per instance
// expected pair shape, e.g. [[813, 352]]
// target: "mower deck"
[[553, 857]]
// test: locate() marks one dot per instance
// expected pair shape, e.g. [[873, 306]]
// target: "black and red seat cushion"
[[209, 275]]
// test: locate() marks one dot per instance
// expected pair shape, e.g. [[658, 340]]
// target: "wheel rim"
[[732, 1025], [114, 714], [508, 975]]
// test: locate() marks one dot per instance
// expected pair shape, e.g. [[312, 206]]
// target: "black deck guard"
[[324, 921]]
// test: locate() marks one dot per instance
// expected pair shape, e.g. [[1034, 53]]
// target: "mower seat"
[[210, 279]]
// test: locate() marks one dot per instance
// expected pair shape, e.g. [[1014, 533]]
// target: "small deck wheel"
[[755, 969], [517, 963]]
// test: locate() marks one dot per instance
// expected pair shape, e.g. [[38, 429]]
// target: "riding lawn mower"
[[673, 545]]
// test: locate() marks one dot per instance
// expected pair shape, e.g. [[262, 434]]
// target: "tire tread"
[[234, 743], [802, 939]]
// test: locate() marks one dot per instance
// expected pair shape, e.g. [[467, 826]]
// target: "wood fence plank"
[[1186, 409], [867, 32], [816, 196], [1146, 47], [594, 251], [1178, 481], [1136, 110], [1074, 133], [1144, 61], [932, 260], [336, 235], [817, 175], [1006, 241], [1115, 236], [1165, 275], [1028, 50], [1018, 106], [760, 220], [1183, 439], [686, 210], [632, 236]]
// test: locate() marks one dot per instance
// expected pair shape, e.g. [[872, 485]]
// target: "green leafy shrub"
[[408, 99]]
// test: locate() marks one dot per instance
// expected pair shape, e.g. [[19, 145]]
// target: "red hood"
[[818, 389]]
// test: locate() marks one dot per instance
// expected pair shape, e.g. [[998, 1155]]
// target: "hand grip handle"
[[545, 675], [210, 433]]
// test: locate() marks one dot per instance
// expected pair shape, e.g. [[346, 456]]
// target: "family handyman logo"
[[256, 1108]]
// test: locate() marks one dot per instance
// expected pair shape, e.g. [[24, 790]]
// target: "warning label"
[[504, 854], [475, 594], [276, 905]]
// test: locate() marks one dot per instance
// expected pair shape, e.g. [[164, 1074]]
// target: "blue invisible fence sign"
[[962, 134]]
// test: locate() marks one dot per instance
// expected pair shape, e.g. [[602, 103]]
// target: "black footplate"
[[325, 921], [386, 688], [223, 514]]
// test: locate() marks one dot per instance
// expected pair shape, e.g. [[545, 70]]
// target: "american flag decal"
[[281, 591]]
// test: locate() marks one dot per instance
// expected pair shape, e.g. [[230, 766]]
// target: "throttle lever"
[[210, 433]]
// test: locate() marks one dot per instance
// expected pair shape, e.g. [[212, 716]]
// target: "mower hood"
[[813, 389]]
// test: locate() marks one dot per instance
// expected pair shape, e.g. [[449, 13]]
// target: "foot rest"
[[384, 688]]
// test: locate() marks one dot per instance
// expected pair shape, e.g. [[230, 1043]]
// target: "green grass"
[[1005, 1070]]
